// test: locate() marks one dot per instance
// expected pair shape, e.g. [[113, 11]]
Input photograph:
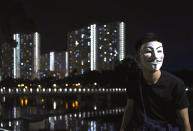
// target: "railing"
[[4, 91]]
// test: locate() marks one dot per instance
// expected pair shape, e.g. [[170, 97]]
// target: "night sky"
[[172, 19]]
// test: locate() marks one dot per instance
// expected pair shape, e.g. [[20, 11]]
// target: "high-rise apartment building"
[[53, 64], [20, 59], [96, 47], [79, 50], [6, 56], [26, 56], [111, 45]]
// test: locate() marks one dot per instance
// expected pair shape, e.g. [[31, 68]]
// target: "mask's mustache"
[[154, 61]]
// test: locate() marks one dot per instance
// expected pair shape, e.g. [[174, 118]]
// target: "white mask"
[[151, 55]]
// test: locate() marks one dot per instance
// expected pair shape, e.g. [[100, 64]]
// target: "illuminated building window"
[[88, 61], [88, 43], [105, 25], [77, 54], [110, 48], [105, 59], [100, 29], [108, 33], [105, 52], [100, 38], [82, 29], [76, 43], [70, 67], [27, 51], [101, 55], [88, 27], [110, 44], [88, 54], [105, 39], [76, 32], [82, 35], [30, 69], [24, 43], [82, 62], [70, 52], [111, 53], [21, 63], [101, 47], [70, 36], [82, 71], [115, 51], [115, 30]]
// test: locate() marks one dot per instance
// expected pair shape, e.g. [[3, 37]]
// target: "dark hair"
[[146, 38]]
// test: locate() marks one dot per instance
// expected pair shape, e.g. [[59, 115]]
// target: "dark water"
[[66, 112], [88, 112]]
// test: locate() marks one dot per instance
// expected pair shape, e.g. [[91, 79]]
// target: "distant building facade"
[[79, 50], [21, 58], [7, 62], [26, 56], [53, 64], [111, 45], [96, 47]]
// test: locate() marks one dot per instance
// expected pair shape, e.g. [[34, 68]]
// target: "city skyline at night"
[[91, 48], [171, 19]]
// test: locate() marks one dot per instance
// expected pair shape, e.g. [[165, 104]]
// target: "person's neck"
[[151, 77]]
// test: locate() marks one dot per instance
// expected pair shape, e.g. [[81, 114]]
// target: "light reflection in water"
[[54, 105], [71, 113], [71, 121]]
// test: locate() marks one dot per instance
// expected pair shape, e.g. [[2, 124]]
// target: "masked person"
[[158, 101]]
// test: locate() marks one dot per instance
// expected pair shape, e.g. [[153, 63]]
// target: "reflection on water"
[[76, 113]]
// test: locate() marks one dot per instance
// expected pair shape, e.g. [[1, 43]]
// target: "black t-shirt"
[[161, 100]]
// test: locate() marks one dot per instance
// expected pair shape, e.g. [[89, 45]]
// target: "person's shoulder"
[[171, 78]]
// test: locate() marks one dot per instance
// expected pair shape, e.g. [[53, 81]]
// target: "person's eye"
[[148, 51], [159, 51]]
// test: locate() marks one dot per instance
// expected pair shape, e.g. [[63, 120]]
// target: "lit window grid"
[[17, 56], [21, 53], [51, 61], [121, 41], [37, 53], [111, 55], [67, 71], [93, 47], [84, 48], [7, 61], [15, 63]]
